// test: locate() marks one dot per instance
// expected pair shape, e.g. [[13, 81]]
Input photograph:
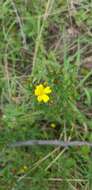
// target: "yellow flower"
[[53, 125], [23, 169], [42, 93]]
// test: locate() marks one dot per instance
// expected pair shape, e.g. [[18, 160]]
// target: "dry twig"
[[52, 143]]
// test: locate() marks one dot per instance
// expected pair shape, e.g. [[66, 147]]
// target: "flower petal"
[[39, 89], [40, 98], [45, 98], [47, 90]]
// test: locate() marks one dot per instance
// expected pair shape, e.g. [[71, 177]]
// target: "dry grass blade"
[[47, 11], [20, 24]]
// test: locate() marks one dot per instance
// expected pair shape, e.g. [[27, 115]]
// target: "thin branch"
[[20, 24], [51, 142]]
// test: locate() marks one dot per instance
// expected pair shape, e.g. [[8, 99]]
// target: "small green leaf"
[[85, 150]]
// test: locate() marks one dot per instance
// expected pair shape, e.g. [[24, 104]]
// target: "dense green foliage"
[[49, 43]]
